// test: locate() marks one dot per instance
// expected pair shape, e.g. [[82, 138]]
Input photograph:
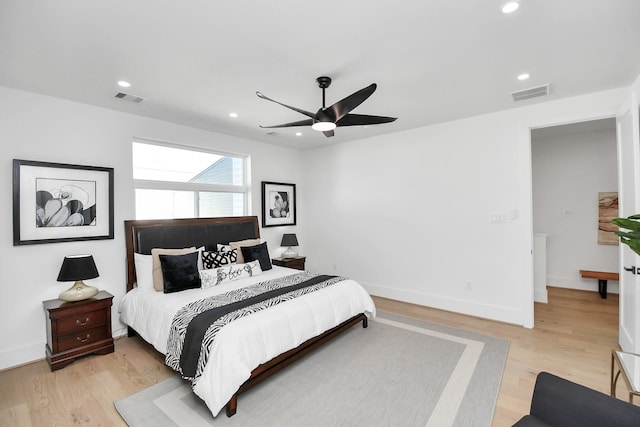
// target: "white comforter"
[[246, 343]]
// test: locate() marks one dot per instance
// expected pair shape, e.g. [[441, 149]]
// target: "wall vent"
[[130, 98], [533, 92]]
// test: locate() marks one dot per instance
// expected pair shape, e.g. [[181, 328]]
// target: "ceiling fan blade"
[[306, 113], [363, 120], [328, 133], [307, 122], [341, 108]]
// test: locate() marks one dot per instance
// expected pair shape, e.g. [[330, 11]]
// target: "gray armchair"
[[562, 403]]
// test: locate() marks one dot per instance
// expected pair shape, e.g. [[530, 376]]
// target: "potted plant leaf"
[[631, 237]]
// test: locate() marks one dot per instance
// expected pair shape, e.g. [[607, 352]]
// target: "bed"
[[253, 346]]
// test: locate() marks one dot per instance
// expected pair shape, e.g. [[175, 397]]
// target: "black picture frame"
[[278, 204], [59, 202]]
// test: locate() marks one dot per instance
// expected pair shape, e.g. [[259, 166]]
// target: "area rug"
[[397, 372]]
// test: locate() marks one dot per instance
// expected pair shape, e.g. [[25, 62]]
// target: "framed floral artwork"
[[278, 204], [57, 202]]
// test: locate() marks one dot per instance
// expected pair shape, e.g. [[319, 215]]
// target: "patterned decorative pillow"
[[224, 248], [217, 259], [216, 276]]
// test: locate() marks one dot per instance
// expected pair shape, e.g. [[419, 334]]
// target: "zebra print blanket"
[[195, 326]]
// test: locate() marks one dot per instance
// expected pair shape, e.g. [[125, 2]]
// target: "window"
[[173, 182]]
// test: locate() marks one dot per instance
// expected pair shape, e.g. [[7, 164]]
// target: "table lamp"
[[289, 240], [78, 268]]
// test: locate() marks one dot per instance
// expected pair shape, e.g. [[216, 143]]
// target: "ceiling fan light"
[[323, 126], [510, 7]]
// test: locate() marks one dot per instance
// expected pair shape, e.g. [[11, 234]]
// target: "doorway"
[[571, 165]]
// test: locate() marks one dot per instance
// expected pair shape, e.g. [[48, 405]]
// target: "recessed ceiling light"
[[122, 83], [234, 115], [510, 7], [298, 133], [523, 76]]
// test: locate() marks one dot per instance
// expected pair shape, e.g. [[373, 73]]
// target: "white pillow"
[[200, 250], [144, 270], [228, 273]]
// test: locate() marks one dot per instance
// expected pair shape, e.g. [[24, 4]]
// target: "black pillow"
[[257, 252], [180, 272]]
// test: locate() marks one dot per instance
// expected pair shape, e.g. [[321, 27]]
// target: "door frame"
[[528, 308], [628, 327]]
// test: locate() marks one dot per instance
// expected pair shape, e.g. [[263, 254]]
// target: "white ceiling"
[[195, 61]]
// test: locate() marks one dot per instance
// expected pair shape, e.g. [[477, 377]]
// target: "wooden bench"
[[602, 277]]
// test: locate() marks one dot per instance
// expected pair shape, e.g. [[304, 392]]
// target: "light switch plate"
[[498, 218]]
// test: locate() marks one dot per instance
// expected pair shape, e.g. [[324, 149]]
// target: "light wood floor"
[[573, 338]]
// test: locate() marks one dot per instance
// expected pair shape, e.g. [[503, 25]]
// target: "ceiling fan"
[[326, 119]]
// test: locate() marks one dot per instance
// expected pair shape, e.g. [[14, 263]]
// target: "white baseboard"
[[540, 295], [15, 357], [35, 352], [613, 287], [487, 311]]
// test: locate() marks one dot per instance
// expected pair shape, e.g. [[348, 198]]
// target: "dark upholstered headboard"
[[143, 235]]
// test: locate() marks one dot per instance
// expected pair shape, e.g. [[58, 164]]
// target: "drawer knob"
[[79, 323], [84, 339]]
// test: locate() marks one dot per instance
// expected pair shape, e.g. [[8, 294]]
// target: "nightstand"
[[294, 262], [76, 329]]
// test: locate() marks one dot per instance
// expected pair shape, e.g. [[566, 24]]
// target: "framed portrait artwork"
[[57, 202], [278, 204]]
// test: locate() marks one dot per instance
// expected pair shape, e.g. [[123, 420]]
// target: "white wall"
[[568, 172], [35, 127], [408, 214]]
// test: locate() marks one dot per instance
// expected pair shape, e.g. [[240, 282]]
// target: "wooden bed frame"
[[143, 235]]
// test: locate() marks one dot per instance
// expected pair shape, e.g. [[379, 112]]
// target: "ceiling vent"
[[130, 98], [533, 92]]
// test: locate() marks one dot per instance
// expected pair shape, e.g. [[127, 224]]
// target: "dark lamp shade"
[[77, 267], [289, 240]]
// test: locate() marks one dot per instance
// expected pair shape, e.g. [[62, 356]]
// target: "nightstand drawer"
[[82, 321], [297, 262], [78, 339]]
